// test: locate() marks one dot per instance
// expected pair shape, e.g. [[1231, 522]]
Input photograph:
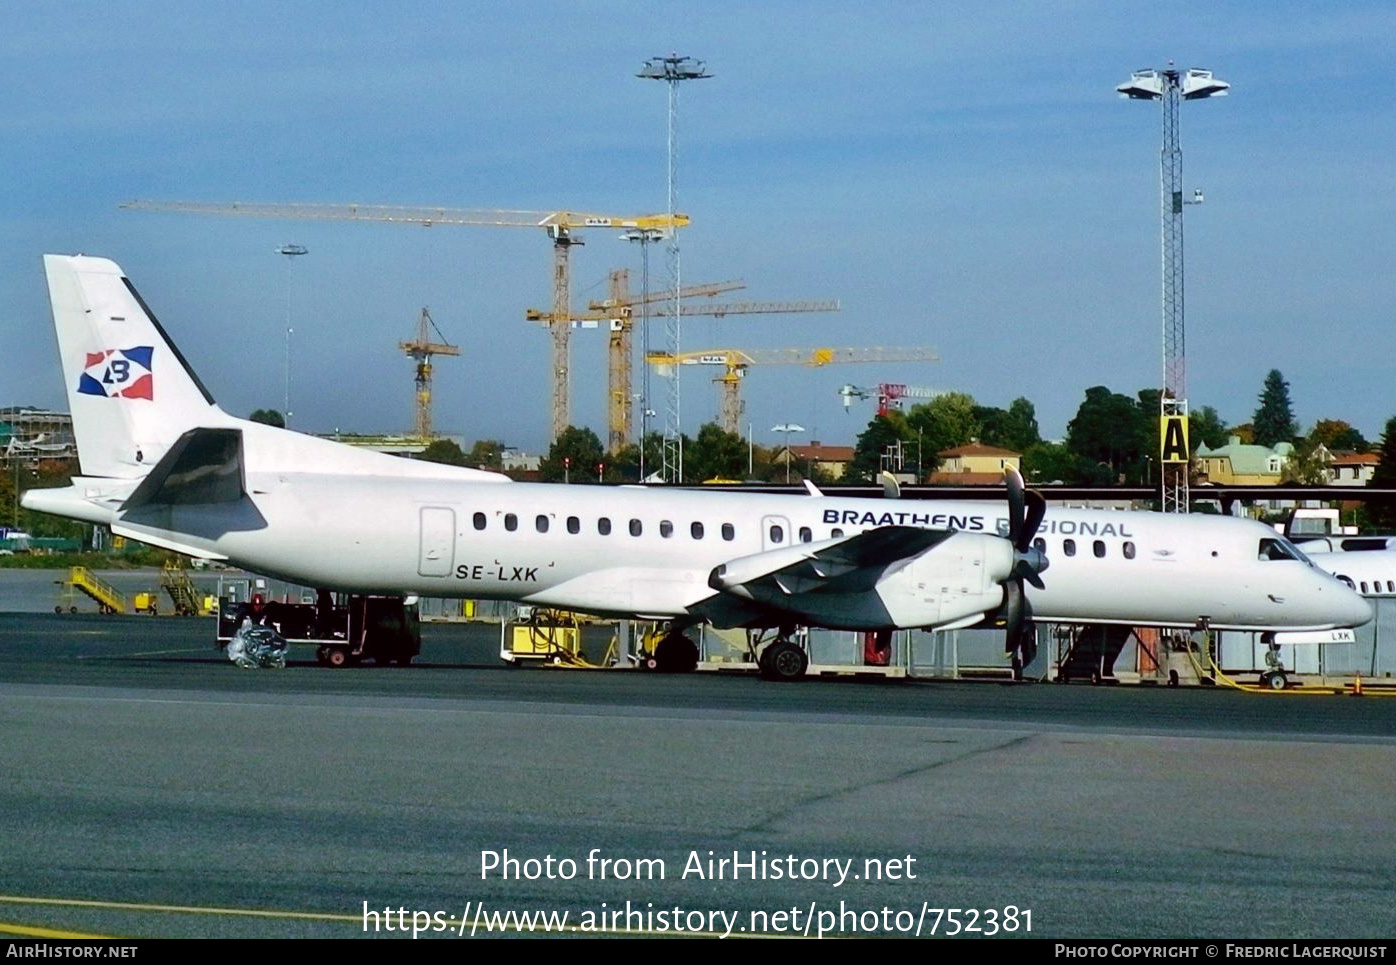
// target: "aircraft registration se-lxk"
[[163, 464]]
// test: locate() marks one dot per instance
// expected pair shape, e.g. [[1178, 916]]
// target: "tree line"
[[1112, 440]]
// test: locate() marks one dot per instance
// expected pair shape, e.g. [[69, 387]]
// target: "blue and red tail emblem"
[[119, 373]]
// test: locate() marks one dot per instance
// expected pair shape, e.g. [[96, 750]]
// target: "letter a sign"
[[1173, 433]]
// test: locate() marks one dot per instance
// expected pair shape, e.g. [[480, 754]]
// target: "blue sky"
[[960, 177]]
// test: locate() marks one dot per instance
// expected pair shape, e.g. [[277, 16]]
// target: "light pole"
[[673, 70], [292, 252], [644, 236], [787, 428], [1171, 85]]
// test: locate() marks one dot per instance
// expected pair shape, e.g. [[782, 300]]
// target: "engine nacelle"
[[959, 578]]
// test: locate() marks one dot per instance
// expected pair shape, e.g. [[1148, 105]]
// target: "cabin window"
[[806, 535], [511, 522], [1068, 547], [835, 533], [1098, 547], [666, 528], [1390, 587], [603, 526], [574, 525], [695, 530], [1040, 544], [480, 520], [728, 532], [541, 522], [777, 534], [636, 528], [1129, 550]]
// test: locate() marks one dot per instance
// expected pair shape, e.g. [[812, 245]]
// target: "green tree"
[[486, 454], [1274, 419], [1305, 465], [1336, 435], [1206, 428], [1051, 462], [627, 459], [1109, 431], [574, 457], [444, 451], [268, 417], [873, 442], [1014, 428], [944, 422], [1383, 515], [715, 454]]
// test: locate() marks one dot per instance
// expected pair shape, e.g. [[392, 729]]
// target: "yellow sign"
[[1173, 437]]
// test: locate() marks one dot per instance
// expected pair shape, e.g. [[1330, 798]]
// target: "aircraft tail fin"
[[131, 392]]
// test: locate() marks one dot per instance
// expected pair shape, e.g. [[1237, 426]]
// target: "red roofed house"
[[974, 464], [831, 460], [1352, 468]]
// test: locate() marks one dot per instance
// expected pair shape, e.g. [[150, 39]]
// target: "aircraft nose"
[[1359, 610]]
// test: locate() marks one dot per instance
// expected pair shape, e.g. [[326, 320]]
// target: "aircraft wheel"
[[336, 657], [784, 661], [1275, 680], [675, 654], [73, 610], [1172, 678], [58, 609]]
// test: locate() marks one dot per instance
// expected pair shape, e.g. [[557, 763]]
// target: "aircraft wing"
[[847, 564], [893, 576]]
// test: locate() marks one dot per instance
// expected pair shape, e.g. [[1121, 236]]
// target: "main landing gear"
[[675, 653], [782, 660]]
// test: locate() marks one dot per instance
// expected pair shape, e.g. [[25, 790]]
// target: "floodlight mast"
[[673, 70], [1170, 85]]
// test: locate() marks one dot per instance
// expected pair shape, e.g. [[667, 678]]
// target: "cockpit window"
[[1280, 549]]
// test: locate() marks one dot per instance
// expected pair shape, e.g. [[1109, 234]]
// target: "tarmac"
[[153, 789]]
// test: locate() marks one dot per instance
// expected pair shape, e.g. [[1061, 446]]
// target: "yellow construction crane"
[[618, 313], [560, 226], [737, 361], [420, 350]]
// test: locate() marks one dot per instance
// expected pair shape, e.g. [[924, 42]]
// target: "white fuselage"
[[649, 552]]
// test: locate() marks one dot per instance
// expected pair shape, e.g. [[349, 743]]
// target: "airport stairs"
[[1091, 651], [174, 579], [108, 598]]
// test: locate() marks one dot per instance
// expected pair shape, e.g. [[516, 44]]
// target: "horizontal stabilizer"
[[203, 466]]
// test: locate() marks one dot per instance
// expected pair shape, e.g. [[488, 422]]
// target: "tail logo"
[[119, 373]]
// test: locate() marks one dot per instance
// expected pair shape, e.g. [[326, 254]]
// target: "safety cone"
[[1357, 686]]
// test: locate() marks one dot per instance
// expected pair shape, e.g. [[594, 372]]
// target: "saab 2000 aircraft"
[[161, 463]]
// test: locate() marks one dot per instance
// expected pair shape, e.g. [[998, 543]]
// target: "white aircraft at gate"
[[161, 463]]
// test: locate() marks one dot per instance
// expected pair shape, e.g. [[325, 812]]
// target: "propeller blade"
[[1014, 482], [1015, 604], [1037, 508]]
